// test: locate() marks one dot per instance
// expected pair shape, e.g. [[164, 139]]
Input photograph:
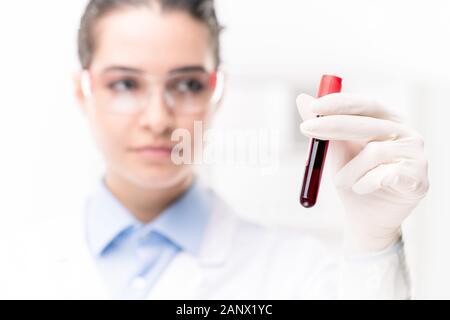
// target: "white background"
[[395, 51]]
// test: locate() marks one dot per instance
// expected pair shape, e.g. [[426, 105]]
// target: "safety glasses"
[[127, 92]]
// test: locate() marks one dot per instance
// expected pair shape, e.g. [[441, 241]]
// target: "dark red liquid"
[[313, 172]]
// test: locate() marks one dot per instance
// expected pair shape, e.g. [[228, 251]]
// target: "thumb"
[[304, 103]]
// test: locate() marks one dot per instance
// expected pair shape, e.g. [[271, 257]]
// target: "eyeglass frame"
[[87, 85]]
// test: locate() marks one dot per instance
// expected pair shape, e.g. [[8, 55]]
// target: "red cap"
[[329, 84]]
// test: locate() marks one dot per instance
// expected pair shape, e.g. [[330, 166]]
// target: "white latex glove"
[[378, 164]]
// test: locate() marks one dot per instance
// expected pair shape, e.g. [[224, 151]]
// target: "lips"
[[154, 151]]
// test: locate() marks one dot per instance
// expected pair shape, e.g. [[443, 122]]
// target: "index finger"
[[351, 104]]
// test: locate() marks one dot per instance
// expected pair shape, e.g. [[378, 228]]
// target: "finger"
[[345, 127], [304, 102], [374, 154], [351, 104], [405, 177]]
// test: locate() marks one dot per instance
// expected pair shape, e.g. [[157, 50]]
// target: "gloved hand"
[[378, 164]]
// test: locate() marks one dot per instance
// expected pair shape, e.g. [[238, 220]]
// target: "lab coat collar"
[[219, 233], [74, 266]]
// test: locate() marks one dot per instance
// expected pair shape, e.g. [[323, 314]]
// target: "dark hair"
[[201, 10]]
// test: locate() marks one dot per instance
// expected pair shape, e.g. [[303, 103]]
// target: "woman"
[[152, 230]]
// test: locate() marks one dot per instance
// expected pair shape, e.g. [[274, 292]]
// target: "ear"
[[78, 91]]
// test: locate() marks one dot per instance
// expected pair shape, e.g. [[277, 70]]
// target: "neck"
[[145, 204]]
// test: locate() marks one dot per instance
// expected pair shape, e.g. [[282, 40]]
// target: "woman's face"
[[129, 43]]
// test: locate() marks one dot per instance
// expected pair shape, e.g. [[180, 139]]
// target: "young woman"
[[152, 230]]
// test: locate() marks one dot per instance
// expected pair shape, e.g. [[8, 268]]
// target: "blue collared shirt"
[[131, 255]]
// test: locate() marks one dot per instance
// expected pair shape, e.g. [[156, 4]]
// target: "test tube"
[[317, 150]]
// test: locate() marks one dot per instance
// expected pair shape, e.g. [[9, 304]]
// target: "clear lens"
[[129, 93]]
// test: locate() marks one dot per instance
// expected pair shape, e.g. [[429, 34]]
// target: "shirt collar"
[[183, 222]]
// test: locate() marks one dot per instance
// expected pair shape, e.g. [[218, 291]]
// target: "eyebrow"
[[140, 71], [188, 69]]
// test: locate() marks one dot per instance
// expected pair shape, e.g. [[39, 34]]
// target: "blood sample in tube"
[[317, 150]]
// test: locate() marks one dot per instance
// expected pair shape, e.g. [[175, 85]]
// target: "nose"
[[157, 117]]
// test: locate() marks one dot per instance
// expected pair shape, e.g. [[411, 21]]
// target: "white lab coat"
[[238, 260]]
